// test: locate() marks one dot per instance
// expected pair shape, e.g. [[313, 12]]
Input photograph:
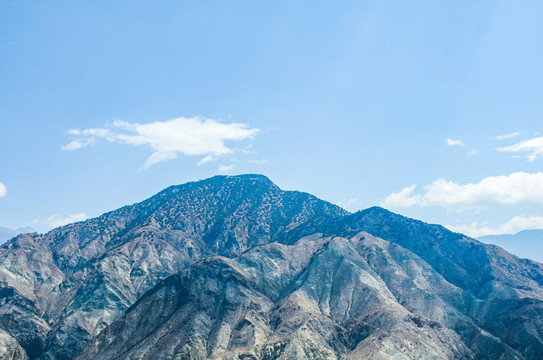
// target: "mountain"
[[65, 286], [7, 233], [320, 298], [526, 243], [232, 267]]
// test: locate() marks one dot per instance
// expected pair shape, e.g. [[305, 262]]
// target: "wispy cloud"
[[195, 136], [451, 142], [460, 143], [207, 159], [3, 190], [56, 220], [516, 188], [531, 149], [78, 144], [225, 169], [507, 136], [349, 204], [516, 224]]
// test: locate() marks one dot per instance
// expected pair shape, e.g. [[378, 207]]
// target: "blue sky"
[[431, 109]]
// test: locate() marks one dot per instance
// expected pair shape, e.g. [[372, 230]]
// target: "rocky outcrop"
[[320, 298], [234, 267], [78, 278], [508, 290], [10, 349]]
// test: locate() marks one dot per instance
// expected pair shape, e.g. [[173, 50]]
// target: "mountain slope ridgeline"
[[233, 267]]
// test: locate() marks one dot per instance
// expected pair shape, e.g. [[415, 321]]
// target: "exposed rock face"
[[508, 290], [320, 298], [73, 281], [236, 268], [10, 348]]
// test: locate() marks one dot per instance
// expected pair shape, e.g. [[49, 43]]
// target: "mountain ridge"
[[7, 233], [70, 285], [139, 244], [301, 293], [525, 243]]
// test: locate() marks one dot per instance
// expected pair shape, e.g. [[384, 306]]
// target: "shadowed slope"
[[350, 295], [82, 276], [510, 287], [321, 298]]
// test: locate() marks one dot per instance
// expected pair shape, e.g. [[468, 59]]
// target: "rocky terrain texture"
[[64, 287], [233, 267]]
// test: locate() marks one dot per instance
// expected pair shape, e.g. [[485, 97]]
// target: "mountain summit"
[[233, 267]]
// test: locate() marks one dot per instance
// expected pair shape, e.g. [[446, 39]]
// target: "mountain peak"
[[250, 177], [292, 253], [243, 178], [376, 210], [221, 180]]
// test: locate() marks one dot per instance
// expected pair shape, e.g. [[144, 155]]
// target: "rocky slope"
[[234, 267], [10, 347], [511, 288], [70, 283], [320, 298]]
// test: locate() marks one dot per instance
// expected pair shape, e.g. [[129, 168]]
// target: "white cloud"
[[207, 159], [56, 220], [247, 150], [3, 190], [531, 148], [516, 188], [225, 169], [457, 142], [402, 199], [78, 144], [101, 133], [516, 224], [167, 139], [507, 136], [451, 142], [349, 204]]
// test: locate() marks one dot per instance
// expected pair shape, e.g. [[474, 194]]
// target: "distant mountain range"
[[233, 267], [526, 244], [7, 233]]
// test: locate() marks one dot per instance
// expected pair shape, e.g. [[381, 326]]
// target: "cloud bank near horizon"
[[512, 189], [513, 226]]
